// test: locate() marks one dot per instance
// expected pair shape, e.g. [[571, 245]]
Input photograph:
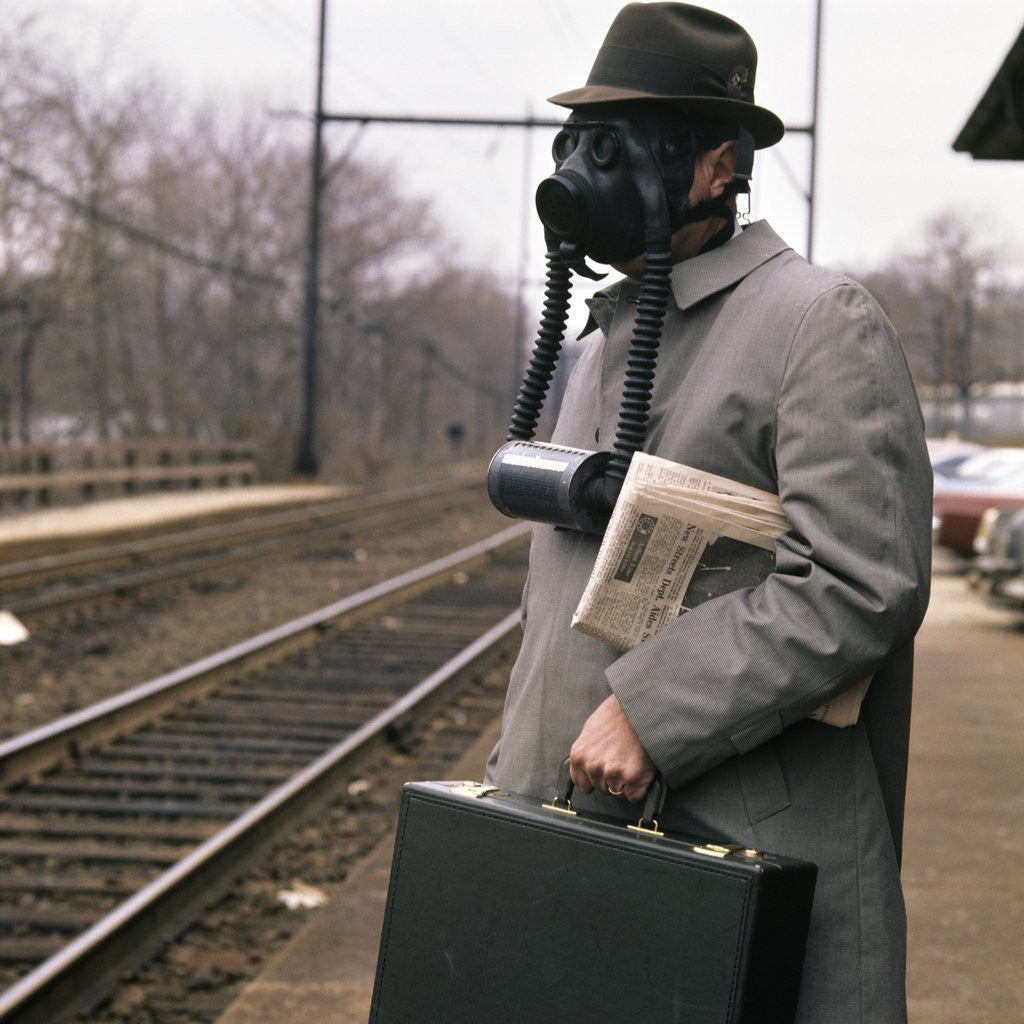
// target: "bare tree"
[[151, 271], [31, 254], [940, 296]]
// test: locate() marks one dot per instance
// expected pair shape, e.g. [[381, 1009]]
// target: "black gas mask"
[[592, 202], [607, 170], [611, 168], [620, 189]]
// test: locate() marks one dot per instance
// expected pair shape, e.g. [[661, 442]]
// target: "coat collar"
[[699, 278]]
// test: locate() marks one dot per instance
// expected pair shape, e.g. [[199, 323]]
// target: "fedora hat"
[[681, 54]]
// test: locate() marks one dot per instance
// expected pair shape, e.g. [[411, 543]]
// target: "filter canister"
[[548, 483]]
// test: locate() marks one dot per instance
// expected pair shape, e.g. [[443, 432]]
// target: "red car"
[[966, 487]]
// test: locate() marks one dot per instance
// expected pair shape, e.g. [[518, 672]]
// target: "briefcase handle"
[[654, 801]]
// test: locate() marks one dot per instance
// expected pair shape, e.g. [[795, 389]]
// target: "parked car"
[[965, 488], [998, 569], [948, 453]]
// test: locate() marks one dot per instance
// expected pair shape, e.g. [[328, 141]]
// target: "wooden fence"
[[33, 476]]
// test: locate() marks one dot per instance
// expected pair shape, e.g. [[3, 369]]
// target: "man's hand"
[[608, 756]]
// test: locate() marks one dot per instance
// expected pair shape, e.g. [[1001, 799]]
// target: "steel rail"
[[202, 536], [73, 977], [74, 594], [48, 745]]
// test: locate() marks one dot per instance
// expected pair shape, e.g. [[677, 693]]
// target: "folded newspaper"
[[678, 537]]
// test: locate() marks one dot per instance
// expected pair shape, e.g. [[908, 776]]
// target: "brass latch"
[[719, 850], [645, 828], [477, 790], [560, 805]]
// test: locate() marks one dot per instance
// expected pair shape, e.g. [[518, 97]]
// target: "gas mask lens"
[[603, 144], [604, 147], [564, 144]]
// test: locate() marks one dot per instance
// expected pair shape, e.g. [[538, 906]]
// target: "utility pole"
[[306, 462], [519, 357], [964, 336], [813, 132]]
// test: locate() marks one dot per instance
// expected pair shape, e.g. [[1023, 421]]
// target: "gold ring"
[[616, 792]]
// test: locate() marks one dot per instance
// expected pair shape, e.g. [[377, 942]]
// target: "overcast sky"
[[898, 80]]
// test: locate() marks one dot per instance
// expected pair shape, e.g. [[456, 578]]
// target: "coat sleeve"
[[851, 577]]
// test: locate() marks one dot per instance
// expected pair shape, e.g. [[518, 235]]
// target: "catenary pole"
[[813, 131], [306, 461]]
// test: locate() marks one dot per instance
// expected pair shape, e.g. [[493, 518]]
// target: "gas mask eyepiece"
[[603, 143]]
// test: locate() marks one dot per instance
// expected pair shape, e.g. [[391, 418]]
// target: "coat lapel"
[[697, 279]]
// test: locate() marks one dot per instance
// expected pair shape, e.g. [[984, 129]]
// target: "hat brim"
[[763, 125]]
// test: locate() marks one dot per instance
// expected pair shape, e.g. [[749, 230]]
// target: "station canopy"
[[995, 130]]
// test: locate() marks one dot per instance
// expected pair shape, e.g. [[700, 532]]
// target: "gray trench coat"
[[787, 377]]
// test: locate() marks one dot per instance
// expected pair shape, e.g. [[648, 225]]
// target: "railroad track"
[[118, 822], [59, 582]]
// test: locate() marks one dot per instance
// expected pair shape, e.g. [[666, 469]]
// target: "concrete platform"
[[325, 974], [965, 813], [94, 519], [964, 834]]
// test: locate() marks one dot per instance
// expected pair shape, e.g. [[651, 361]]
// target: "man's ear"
[[723, 166]]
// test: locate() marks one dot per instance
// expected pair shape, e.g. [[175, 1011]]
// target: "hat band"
[[641, 71]]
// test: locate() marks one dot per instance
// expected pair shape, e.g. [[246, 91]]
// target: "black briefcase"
[[506, 910]]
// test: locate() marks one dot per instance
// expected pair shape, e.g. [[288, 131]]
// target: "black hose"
[[640, 366], [558, 287], [652, 302], [650, 314]]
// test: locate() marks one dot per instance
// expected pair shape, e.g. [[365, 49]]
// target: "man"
[[789, 378]]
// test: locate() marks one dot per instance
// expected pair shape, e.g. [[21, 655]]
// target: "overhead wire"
[[284, 18], [787, 169], [296, 38], [467, 54], [281, 24], [271, 18], [555, 14], [143, 237], [347, 67], [137, 234], [429, 346]]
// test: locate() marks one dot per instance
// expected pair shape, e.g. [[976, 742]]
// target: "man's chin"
[[631, 268]]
